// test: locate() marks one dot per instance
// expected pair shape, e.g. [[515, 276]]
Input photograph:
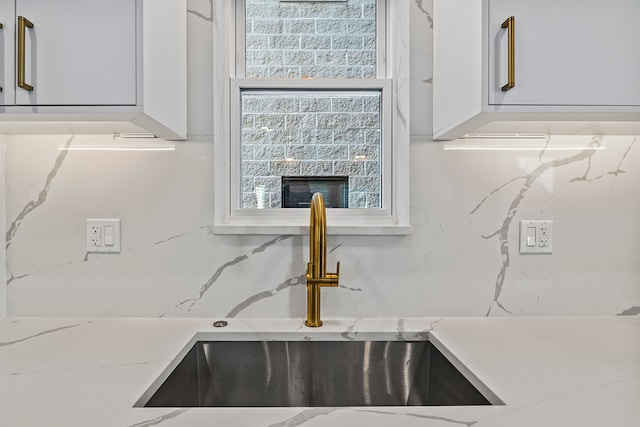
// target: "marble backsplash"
[[461, 259]]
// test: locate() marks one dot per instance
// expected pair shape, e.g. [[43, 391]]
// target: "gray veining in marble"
[[161, 419], [13, 278], [159, 242], [421, 336], [202, 15], [400, 329], [426, 417], [212, 280], [71, 369], [304, 416], [503, 232], [293, 281], [39, 334], [351, 333], [42, 196], [350, 289], [269, 243], [616, 172], [422, 9]]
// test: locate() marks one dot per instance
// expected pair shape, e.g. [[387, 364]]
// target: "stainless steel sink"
[[314, 373]]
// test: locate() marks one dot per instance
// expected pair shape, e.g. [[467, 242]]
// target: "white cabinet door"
[[7, 62], [567, 52], [79, 52]]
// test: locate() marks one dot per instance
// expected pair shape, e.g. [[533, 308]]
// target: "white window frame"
[[392, 62]]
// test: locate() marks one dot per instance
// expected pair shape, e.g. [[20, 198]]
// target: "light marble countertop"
[[548, 371]]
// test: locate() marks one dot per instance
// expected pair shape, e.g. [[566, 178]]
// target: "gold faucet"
[[317, 275]]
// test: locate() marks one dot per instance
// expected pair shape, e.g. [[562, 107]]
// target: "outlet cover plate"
[[543, 243], [97, 240]]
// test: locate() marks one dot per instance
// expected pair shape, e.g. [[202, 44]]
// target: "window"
[[309, 94], [308, 133], [298, 39]]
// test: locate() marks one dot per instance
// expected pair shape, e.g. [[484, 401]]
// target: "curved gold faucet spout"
[[317, 275]]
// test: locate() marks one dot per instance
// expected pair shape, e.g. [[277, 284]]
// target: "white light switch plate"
[[103, 235], [540, 237]]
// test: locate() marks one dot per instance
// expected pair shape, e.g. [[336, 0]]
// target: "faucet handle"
[[331, 279], [335, 275]]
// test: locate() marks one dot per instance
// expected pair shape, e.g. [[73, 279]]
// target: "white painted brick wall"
[[318, 135]]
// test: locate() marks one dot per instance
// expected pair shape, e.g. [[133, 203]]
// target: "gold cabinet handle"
[[22, 23], [510, 24]]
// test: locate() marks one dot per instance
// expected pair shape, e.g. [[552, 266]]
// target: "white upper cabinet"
[[568, 52], [78, 52], [122, 61], [570, 61]]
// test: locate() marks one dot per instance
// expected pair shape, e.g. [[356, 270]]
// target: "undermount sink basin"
[[313, 374]]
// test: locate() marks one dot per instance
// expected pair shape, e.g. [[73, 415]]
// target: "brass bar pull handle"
[[510, 24], [22, 24]]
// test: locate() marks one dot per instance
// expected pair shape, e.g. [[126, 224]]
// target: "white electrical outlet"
[[103, 235], [536, 237], [94, 235], [95, 241]]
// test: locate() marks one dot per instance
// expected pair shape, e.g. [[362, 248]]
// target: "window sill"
[[293, 230], [297, 223]]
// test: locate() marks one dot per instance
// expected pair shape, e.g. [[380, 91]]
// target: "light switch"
[[108, 235], [531, 236]]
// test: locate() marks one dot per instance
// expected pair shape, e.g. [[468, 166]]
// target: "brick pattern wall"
[[311, 39], [319, 134], [296, 133]]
